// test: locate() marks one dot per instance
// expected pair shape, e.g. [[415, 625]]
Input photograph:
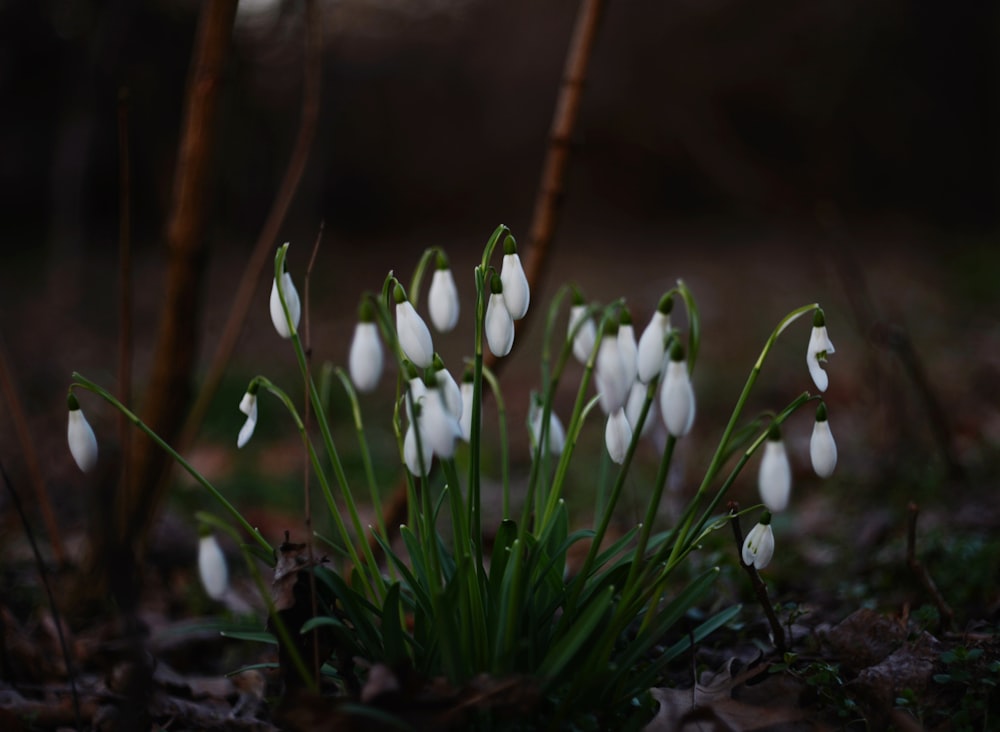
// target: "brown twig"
[[16, 411], [264, 247], [759, 588], [170, 383], [947, 615]]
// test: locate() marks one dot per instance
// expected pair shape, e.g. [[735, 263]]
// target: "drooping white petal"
[[212, 567], [823, 449], [414, 395], [417, 463], [291, 299], [633, 407], [774, 480], [758, 547], [556, 434], [414, 335], [439, 427], [629, 351], [610, 376], [652, 346], [677, 403], [365, 358], [248, 405], [618, 436], [820, 347], [583, 341], [442, 300], [515, 286], [450, 392], [465, 422], [499, 325], [82, 440]]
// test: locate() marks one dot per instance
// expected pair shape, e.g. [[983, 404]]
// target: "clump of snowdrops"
[[461, 594]]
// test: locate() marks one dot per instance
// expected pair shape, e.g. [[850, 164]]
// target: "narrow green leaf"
[[576, 637], [258, 636]]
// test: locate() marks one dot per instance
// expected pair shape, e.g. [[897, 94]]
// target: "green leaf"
[[392, 627], [576, 637], [258, 636]]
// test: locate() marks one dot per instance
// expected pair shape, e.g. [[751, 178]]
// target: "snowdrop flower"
[[499, 323], [80, 436], [820, 347], [468, 390], [618, 436], [212, 567], [442, 298], [822, 447], [586, 334], [627, 346], [758, 547], [633, 407], [652, 343], [677, 395], [555, 436], [248, 405], [439, 428], [610, 376], [774, 480], [365, 358], [515, 283], [285, 286], [414, 336], [418, 462], [450, 392], [415, 391]]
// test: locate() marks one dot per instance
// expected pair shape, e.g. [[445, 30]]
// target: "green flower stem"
[[85, 383], [426, 259], [375, 579], [491, 379]]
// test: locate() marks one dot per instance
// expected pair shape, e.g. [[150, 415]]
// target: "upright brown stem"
[[266, 242], [169, 389]]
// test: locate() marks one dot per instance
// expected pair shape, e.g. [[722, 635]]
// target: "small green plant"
[[974, 678], [493, 594]]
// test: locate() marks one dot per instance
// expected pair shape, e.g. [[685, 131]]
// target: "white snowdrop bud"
[[633, 407], [652, 343], [627, 346], [555, 436], [774, 480], [610, 376], [417, 462], [585, 335], [284, 286], [80, 436], [450, 392], [499, 324], [439, 427], [822, 447], [365, 357], [248, 405], [515, 283], [468, 390], [820, 347], [618, 436], [414, 336], [677, 403], [758, 547], [442, 298], [212, 567]]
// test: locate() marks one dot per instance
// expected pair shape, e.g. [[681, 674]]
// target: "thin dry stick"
[[170, 383], [264, 247], [549, 197], [944, 610], [124, 282], [27, 446], [759, 588]]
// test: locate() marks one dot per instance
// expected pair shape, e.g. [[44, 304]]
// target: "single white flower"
[[758, 547], [287, 288], [618, 436], [442, 298], [499, 324], [450, 392], [439, 428], [820, 347], [822, 447], [633, 407], [465, 421], [677, 403], [585, 335], [212, 567], [414, 336], [610, 375], [418, 463], [652, 343], [627, 347], [248, 405], [365, 358], [555, 435], [774, 480], [415, 392], [516, 295], [80, 436]]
